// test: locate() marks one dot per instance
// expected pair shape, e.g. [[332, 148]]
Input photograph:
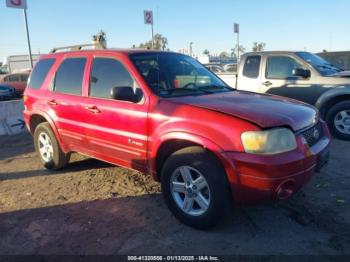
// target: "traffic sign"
[[236, 28], [148, 16], [20, 4]]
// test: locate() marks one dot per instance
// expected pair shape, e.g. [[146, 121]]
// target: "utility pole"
[[152, 37], [191, 43], [236, 31], [148, 17], [22, 4], [28, 39]]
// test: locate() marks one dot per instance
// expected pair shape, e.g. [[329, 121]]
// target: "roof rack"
[[77, 47]]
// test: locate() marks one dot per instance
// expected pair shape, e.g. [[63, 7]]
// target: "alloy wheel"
[[342, 121], [45, 147], [190, 190]]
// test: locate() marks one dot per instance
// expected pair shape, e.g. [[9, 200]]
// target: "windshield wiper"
[[215, 87], [172, 90], [336, 67], [329, 68]]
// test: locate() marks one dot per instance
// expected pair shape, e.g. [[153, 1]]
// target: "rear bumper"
[[262, 178]]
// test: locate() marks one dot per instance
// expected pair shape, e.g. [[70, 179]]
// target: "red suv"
[[165, 114]]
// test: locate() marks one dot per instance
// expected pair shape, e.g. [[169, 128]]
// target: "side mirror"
[[304, 73], [124, 93]]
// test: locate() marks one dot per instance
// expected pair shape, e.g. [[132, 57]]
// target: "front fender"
[[200, 140], [332, 93]]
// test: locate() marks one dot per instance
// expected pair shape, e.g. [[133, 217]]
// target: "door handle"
[[52, 102], [93, 109], [267, 83]]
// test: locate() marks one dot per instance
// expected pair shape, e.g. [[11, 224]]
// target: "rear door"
[[64, 100], [278, 78], [116, 130], [249, 74]]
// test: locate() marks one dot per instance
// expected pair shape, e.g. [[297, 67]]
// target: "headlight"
[[269, 142]]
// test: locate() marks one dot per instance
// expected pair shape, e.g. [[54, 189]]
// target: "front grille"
[[313, 134]]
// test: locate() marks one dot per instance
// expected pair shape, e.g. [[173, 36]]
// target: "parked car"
[[165, 114], [215, 68], [3, 70], [232, 68], [7, 92], [302, 76], [17, 80]]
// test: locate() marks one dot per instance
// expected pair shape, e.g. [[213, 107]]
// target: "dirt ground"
[[96, 208]]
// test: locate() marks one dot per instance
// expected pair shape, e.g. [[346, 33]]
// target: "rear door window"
[[252, 66], [69, 76], [39, 73]]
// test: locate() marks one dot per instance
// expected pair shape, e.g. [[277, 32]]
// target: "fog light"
[[286, 189]]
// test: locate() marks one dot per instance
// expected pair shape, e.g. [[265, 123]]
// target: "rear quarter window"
[[39, 73]]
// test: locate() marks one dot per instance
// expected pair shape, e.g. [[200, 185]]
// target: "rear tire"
[[338, 120], [48, 149], [208, 194]]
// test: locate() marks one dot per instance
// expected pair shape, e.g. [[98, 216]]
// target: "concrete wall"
[[11, 117]]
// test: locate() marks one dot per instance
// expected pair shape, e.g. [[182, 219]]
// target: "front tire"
[[48, 149], [338, 120], [195, 187]]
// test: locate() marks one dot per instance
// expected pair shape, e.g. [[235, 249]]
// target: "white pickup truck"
[[302, 76]]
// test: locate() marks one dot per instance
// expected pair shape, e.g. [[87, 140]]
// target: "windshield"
[[172, 74], [321, 65]]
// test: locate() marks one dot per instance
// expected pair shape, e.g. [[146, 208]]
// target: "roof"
[[273, 52], [126, 51]]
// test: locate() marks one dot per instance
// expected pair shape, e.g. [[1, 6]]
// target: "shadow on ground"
[[143, 225], [76, 166]]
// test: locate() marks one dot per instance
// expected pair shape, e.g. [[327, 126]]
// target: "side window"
[[39, 73], [252, 66], [281, 67], [69, 76], [24, 78], [12, 78], [107, 73]]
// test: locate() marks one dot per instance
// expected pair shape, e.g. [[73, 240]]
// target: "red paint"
[[130, 135]]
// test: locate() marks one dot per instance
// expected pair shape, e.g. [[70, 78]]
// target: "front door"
[[115, 130], [279, 80]]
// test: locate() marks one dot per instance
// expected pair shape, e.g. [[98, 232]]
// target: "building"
[[340, 59]]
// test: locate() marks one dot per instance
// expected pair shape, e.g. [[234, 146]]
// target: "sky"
[[311, 25]]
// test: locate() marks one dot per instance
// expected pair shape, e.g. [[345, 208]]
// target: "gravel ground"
[[95, 208]]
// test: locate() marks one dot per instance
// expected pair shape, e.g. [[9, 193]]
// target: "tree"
[[234, 50], [100, 38], [257, 47], [224, 54], [206, 52], [160, 43]]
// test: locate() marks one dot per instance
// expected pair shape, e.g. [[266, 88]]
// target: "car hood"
[[264, 110]]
